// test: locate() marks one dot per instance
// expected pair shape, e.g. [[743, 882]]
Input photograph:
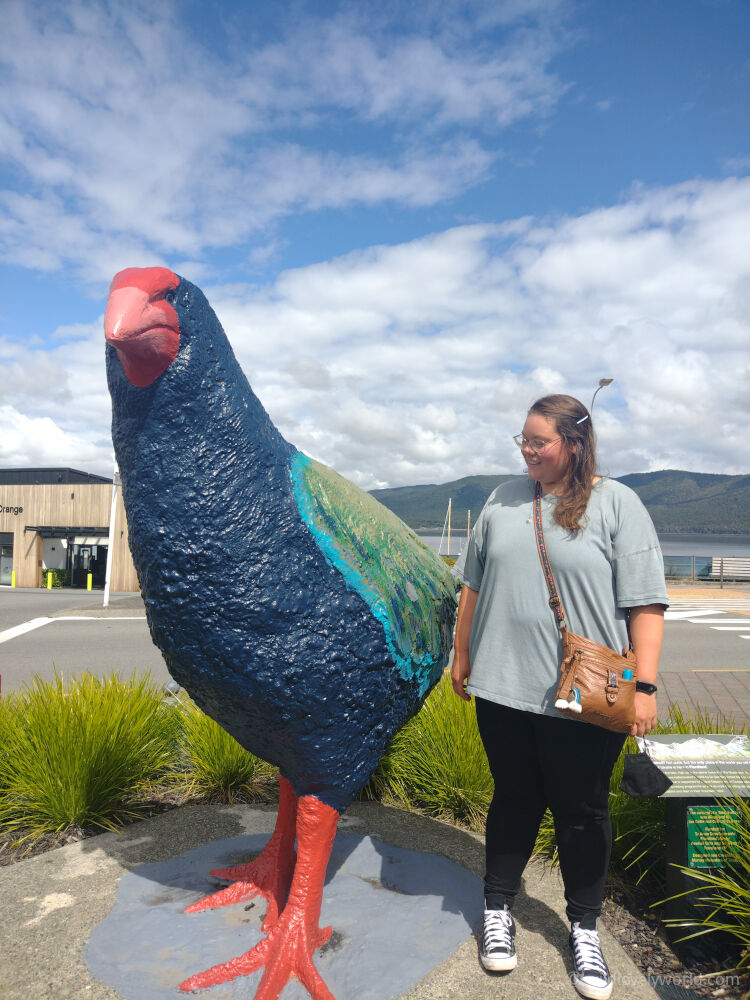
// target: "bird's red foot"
[[269, 875], [284, 954]]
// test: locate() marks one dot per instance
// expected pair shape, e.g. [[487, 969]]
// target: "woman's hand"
[[460, 672], [461, 663], [645, 714]]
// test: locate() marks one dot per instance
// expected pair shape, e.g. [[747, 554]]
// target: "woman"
[[609, 572]]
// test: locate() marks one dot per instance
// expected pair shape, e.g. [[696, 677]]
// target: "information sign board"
[[703, 778], [711, 832]]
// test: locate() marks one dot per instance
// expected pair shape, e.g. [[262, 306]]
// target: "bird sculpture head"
[[141, 322]]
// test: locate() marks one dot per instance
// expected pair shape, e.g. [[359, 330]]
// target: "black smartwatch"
[[645, 688]]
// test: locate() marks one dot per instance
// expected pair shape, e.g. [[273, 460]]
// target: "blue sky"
[[412, 219]]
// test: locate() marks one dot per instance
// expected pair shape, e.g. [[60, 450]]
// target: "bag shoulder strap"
[[554, 598]]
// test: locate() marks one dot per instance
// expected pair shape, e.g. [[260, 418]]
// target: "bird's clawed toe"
[[238, 892], [286, 953]]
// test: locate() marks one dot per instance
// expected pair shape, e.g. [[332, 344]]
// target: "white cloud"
[[132, 140], [54, 403], [356, 357], [41, 441], [417, 362]]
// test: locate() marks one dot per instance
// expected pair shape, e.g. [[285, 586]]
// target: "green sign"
[[712, 830]]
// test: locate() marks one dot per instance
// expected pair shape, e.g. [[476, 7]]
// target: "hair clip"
[[582, 419]]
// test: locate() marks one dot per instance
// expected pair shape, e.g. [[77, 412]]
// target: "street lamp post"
[[602, 383]]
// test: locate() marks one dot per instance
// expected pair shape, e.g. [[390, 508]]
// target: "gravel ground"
[[627, 917]]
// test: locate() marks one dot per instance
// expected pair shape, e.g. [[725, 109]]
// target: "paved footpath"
[[712, 688]]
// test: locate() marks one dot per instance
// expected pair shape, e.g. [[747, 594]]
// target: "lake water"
[[671, 545]]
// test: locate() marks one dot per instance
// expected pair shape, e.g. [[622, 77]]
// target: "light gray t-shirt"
[[612, 564]]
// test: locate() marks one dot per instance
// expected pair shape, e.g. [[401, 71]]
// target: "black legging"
[[538, 761]]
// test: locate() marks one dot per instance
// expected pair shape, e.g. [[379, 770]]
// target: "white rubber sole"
[[494, 963], [592, 992]]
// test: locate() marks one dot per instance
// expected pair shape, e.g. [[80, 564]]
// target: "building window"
[[6, 557]]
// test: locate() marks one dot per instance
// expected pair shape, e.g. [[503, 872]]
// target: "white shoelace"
[[587, 954], [497, 931]]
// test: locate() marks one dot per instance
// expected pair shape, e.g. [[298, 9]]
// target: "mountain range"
[[678, 501]]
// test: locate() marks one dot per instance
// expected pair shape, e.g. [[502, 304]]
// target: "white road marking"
[[672, 615], [100, 618], [721, 621], [697, 613], [707, 602], [13, 633]]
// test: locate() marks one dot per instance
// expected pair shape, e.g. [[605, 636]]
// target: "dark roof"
[[44, 477]]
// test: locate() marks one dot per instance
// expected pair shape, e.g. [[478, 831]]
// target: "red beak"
[[141, 324]]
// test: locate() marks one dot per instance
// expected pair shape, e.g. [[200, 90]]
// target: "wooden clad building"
[[58, 520]]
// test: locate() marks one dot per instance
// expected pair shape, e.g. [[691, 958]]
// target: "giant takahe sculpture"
[[297, 611]]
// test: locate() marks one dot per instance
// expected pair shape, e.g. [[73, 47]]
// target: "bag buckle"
[[612, 689]]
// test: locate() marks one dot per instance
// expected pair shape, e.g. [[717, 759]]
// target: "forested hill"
[[690, 502]]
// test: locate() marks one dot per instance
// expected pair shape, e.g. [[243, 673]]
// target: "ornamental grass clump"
[[436, 763], [213, 765], [81, 753]]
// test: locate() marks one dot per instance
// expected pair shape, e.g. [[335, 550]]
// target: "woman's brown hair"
[[573, 423]]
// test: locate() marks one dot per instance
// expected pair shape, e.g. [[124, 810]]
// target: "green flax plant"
[[81, 753], [436, 763], [213, 765]]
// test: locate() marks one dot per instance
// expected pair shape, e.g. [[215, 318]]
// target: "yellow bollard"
[[49, 580], [13, 578], [89, 581]]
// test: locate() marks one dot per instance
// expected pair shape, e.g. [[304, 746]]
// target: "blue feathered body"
[[265, 575]]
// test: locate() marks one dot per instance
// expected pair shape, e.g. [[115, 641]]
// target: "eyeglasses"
[[537, 445]]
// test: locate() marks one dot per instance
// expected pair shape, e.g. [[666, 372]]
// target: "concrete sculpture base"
[[395, 914]]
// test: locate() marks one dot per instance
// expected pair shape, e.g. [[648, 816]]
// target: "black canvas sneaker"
[[498, 952], [590, 973]]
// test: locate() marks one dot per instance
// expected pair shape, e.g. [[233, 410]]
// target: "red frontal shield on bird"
[[141, 323]]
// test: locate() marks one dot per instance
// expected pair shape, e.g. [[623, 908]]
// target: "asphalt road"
[[18, 606], [688, 646], [117, 639]]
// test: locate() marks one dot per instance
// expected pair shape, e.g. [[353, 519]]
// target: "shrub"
[[437, 762], [81, 754], [213, 764]]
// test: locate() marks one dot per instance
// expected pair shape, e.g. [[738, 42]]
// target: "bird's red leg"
[[270, 874], [287, 950]]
